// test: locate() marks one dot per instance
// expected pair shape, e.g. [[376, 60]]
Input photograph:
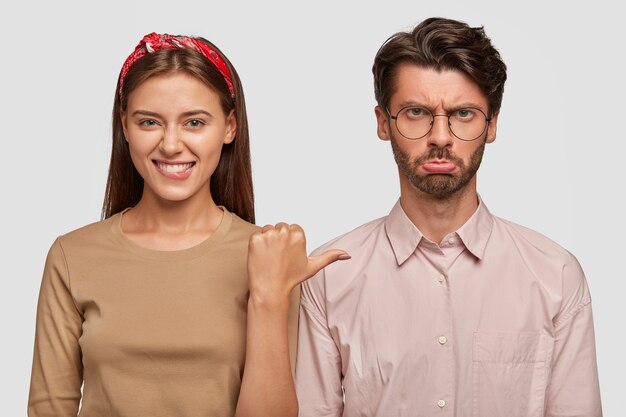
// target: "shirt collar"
[[477, 229], [402, 233], [404, 237]]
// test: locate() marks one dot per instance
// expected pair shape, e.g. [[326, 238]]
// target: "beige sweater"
[[149, 333]]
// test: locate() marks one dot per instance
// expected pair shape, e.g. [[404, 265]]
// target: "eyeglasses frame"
[[432, 122]]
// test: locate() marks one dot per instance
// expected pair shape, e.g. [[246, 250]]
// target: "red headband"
[[153, 42]]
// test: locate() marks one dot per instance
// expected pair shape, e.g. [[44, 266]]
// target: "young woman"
[[157, 309]]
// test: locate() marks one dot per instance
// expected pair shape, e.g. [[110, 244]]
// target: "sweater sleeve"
[[56, 378]]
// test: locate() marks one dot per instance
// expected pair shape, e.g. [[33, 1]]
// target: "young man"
[[445, 309]]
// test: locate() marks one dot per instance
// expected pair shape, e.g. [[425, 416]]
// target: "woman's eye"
[[195, 123], [148, 123]]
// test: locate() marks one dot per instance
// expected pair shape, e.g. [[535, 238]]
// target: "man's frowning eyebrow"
[[464, 105]]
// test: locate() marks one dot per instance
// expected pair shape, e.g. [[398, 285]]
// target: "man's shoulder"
[[527, 239], [552, 265], [354, 239], [359, 243]]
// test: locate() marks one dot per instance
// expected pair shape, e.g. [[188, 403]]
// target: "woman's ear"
[[123, 120], [231, 127]]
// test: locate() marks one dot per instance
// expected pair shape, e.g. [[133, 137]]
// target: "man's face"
[[438, 164]]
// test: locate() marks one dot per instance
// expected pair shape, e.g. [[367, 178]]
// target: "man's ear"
[[383, 125], [492, 128]]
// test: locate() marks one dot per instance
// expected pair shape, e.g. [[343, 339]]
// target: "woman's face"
[[175, 128]]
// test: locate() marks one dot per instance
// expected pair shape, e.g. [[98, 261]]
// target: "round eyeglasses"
[[415, 122]]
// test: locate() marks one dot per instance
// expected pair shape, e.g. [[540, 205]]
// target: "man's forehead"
[[416, 84]]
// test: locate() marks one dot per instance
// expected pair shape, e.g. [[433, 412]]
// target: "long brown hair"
[[442, 44], [231, 183]]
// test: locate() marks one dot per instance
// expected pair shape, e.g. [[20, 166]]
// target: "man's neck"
[[437, 217]]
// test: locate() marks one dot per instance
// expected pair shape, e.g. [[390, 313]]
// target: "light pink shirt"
[[495, 321]]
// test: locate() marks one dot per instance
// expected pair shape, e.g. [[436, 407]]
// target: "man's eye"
[[464, 114], [415, 112]]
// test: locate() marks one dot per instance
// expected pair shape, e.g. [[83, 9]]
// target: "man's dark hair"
[[441, 44]]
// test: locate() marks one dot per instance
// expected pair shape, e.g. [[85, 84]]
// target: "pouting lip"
[[438, 161], [439, 167]]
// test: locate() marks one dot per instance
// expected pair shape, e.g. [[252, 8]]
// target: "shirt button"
[[442, 340], [451, 240], [441, 278], [441, 403]]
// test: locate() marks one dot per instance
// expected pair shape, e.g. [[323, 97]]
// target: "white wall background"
[[556, 167]]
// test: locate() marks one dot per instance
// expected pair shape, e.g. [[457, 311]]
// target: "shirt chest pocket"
[[509, 374]]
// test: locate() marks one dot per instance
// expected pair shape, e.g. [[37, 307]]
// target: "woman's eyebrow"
[[196, 112], [184, 114], [145, 113]]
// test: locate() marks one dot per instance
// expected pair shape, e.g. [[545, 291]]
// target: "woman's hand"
[[278, 262]]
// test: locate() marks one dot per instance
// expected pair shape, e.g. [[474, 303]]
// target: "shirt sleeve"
[[574, 388], [56, 378], [318, 366]]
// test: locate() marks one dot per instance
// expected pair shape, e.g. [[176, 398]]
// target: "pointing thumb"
[[316, 263]]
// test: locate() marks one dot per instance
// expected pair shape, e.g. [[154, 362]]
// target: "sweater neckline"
[[198, 250]]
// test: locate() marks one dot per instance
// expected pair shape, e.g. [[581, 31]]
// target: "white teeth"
[[174, 167]]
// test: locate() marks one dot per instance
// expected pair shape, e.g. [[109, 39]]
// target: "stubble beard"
[[440, 186]]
